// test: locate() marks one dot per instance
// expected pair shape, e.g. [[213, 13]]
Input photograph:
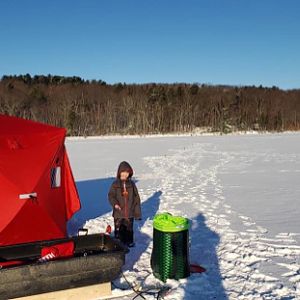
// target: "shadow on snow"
[[203, 251], [204, 241], [94, 202]]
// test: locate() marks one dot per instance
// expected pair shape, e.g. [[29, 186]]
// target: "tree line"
[[93, 107]]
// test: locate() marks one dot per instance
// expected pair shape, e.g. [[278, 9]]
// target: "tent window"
[[56, 177]]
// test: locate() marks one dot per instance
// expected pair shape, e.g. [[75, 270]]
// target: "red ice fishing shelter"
[[37, 189]]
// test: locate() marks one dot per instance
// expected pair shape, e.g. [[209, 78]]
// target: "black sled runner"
[[97, 258]]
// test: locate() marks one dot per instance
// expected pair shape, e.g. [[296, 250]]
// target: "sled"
[[97, 258]]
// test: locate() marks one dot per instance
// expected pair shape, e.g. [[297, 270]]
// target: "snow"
[[241, 193]]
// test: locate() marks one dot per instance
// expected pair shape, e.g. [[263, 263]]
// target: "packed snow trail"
[[242, 262]]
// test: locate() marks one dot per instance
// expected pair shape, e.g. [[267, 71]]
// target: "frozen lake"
[[241, 193]]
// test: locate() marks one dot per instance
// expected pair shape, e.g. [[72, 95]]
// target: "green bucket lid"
[[167, 223]]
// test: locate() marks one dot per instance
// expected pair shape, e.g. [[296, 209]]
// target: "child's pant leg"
[[117, 225], [124, 230], [129, 231]]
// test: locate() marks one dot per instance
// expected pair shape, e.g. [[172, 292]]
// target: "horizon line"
[[85, 79]]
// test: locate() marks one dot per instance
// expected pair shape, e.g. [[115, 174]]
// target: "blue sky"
[[235, 42]]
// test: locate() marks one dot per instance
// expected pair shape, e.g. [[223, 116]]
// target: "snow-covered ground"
[[241, 194]]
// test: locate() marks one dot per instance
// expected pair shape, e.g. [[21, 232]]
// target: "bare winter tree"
[[94, 107]]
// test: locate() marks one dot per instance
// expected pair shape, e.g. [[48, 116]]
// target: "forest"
[[93, 107]]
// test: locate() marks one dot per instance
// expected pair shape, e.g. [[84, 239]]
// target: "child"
[[125, 201]]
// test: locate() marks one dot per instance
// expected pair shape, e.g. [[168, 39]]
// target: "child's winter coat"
[[125, 194]]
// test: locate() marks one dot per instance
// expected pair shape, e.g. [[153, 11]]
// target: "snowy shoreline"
[[181, 134]]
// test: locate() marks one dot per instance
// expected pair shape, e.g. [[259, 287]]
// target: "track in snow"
[[242, 263]]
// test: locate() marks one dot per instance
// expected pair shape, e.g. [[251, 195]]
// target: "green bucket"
[[170, 254]]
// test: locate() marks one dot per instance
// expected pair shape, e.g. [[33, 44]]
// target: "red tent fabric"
[[38, 192]]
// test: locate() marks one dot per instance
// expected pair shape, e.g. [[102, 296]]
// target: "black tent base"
[[97, 259]]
